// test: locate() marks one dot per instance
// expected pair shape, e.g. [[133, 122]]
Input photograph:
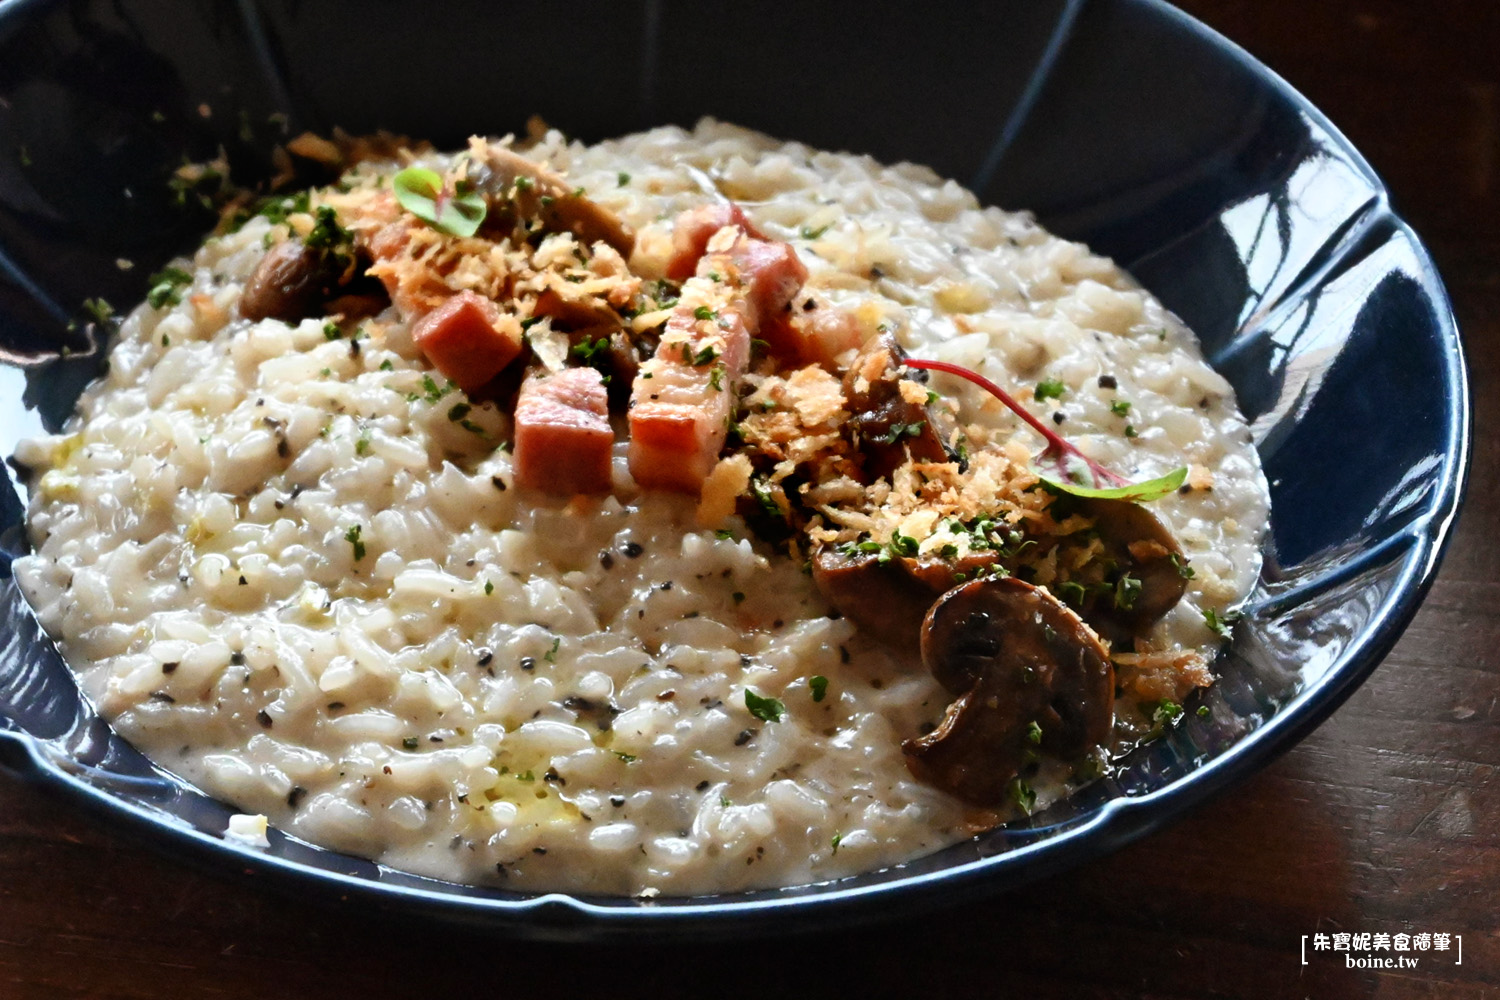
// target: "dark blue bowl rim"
[[1114, 824]]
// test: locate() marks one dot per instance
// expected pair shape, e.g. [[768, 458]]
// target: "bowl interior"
[[1121, 123]]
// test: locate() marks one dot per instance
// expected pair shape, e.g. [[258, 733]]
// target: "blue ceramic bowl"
[[1122, 123]]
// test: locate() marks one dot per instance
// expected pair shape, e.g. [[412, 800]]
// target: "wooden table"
[[1384, 820]]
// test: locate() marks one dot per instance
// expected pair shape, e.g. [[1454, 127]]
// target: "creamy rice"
[[492, 687]]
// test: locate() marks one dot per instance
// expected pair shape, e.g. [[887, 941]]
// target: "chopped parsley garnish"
[[898, 431], [628, 758], [327, 234], [1130, 431], [166, 287], [1034, 732], [818, 684], [458, 411], [409, 743], [587, 349], [724, 533], [716, 378], [1203, 711], [331, 331], [362, 445], [809, 233], [1165, 713], [902, 545], [1221, 622], [386, 365], [100, 309], [704, 312], [707, 355], [1051, 388], [1183, 569], [621, 179], [489, 588], [352, 537], [1127, 589], [834, 843], [551, 655], [764, 709], [1119, 407], [433, 391], [1022, 795]]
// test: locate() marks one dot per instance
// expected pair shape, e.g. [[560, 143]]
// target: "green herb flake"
[[838, 838], [621, 179], [1183, 569], [458, 411], [628, 758], [707, 355], [352, 537], [1222, 622], [1166, 713], [764, 709], [809, 233], [387, 366], [1203, 712], [100, 309], [331, 331], [1051, 388], [551, 655], [704, 312], [716, 378], [1034, 732], [409, 743], [362, 445], [1119, 408], [1127, 590], [489, 588], [1023, 795], [818, 684], [166, 287], [455, 209]]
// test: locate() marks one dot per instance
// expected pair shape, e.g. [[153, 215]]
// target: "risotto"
[[571, 524]]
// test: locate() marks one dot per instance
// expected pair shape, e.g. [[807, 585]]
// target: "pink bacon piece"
[[683, 399], [563, 437]]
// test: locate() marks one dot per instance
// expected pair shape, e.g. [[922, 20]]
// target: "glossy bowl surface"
[[1122, 123]]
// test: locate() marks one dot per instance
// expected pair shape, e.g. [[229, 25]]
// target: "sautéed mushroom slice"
[[1031, 677], [1138, 541]]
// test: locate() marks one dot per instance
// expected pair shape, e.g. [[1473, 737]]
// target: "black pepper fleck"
[[1059, 416], [295, 796], [167, 668], [499, 483], [1108, 382], [607, 559], [264, 718], [631, 550], [701, 786], [745, 736], [485, 656], [617, 801]]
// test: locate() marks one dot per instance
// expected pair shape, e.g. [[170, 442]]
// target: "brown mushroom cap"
[[288, 284], [889, 600], [1016, 656], [878, 597], [548, 198], [879, 413], [1136, 539]]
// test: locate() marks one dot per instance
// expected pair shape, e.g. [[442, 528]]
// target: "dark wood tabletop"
[[1385, 820]]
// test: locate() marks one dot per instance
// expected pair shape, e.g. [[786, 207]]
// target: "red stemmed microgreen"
[[1071, 464], [455, 209]]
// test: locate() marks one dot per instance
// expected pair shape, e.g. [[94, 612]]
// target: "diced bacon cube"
[[694, 228], [680, 411], [563, 437], [468, 339], [772, 274]]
